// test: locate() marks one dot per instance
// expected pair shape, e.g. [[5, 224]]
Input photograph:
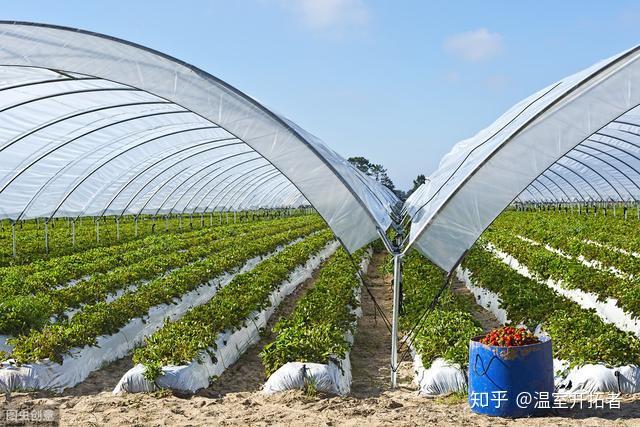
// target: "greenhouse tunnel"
[[97, 126], [576, 142]]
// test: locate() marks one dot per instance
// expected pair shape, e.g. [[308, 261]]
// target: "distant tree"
[[417, 182], [402, 195], [361, 163], [374, 170], [379, 173]]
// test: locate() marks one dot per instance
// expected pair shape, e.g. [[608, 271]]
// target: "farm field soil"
[[399, 408], [371, 402]]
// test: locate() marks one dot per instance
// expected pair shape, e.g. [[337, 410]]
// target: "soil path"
[[371, 352]]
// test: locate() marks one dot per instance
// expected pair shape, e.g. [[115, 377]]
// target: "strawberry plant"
[[184, 340], [579, 335], [105, 318], [316, 330], [445, 331], [97, 287]]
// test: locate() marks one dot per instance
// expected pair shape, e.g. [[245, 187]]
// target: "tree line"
[[379, 173]]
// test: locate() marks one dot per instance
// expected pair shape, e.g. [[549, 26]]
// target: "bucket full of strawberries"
[[510, 373]]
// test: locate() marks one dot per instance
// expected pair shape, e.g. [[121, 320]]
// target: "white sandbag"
[[601, 379], [80, 362], [333, 377], [230, 345], [442, 377]]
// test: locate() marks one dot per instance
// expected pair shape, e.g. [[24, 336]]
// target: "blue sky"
[[398, 82]]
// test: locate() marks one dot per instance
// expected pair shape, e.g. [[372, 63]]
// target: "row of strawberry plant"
[[19, 314], [316, 330], [106, 318], [182, 341], [30, 239], [615, 232], [22, 283], [44, 274], [443, 332], [571, 272], [30, 235], [579, 335], [554, 231]]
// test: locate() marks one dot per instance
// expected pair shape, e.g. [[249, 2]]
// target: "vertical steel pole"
[[98, 230], [394, 321], [13, 237], [166, 223], [73, 232], [135, 225], [46, 236], [117, 228]]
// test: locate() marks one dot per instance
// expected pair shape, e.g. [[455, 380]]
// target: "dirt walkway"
[[102, 380], [372, 345]]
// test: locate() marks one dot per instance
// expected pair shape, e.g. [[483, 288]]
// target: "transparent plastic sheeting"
[[604, 167], [92, 125], [574, 140]]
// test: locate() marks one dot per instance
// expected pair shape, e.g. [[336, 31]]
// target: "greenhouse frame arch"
[[97, 126], [575, 142], [82, 109]]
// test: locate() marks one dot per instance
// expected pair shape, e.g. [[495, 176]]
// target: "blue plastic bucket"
[[510, 381]]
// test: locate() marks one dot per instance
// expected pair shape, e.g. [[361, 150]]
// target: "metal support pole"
[[73, 232], [397, 273], [234, 217], [46, 236], [98, 230], [135, 225], [117, 228], [13, 237], [210, 219], [166, 223]]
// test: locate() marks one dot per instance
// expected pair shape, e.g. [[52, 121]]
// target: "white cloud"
[[474, 46], [328, 14]]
